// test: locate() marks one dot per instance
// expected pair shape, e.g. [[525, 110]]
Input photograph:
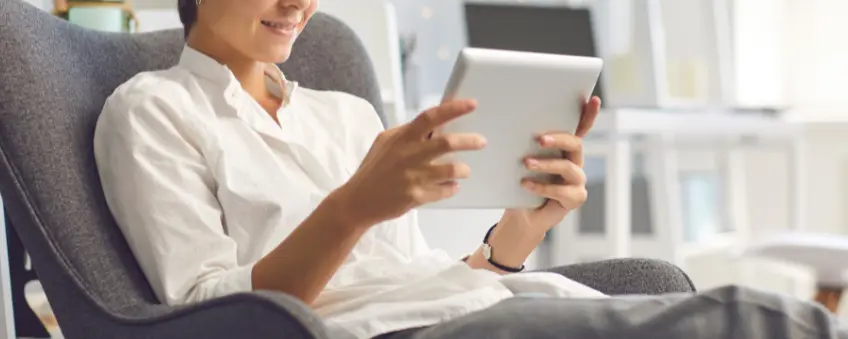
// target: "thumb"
[[587, 118]]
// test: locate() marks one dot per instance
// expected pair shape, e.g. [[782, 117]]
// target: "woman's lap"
[[727, 312]]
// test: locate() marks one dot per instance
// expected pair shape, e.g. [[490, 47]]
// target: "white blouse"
[[203, 183]]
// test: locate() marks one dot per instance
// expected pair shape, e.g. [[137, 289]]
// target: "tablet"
[[519, 96]]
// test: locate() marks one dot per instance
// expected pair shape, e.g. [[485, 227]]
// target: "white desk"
[[660, 134]]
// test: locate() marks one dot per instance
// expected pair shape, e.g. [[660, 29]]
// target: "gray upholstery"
[[629, 276], [54, 79]]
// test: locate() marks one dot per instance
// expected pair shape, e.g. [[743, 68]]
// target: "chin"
[[274, 55]]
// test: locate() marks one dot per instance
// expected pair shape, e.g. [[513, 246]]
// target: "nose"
[[297, 4]]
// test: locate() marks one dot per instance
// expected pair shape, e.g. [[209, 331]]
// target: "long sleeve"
[[160, 190]]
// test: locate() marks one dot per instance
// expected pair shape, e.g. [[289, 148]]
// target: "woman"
[[225, 177]]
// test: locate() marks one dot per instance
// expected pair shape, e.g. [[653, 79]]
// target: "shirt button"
[[230, 95]]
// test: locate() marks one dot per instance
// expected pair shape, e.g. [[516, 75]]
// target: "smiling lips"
[[281, 27]]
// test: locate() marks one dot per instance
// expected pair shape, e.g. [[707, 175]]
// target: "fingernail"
[[529, 184], [547, 139], [532, 163]]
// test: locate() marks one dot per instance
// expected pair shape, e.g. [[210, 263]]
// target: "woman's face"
[[263, 30]]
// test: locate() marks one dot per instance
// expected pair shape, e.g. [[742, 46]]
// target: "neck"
[[249, 73]]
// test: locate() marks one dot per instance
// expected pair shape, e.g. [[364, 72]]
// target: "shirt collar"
[[203, 66], [277, 83]]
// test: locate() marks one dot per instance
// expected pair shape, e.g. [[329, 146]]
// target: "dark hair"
[[188, 13]]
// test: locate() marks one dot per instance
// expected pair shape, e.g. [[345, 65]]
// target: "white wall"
[[827, 192], [155, 4], [819, 57], [155, 15], [794, 52], [157, 19], [761, 46], [692, 50]]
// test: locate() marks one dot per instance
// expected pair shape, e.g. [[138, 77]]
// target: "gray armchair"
[[54, 79]]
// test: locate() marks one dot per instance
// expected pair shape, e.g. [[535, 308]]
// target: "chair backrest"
[[54, 79], [376, 23]]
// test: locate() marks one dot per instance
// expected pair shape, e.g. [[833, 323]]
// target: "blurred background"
[[720, 144]]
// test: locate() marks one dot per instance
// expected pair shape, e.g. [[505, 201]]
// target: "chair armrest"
[[261, 315], [629, 276], [257, 315]]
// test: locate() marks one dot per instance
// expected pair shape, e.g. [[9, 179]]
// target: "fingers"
[[569, 196], [437, 116], [437, 182], [561, 141], [570, 145], [448, 143], [571, 173], [435, 192], [587, 118], [443, 173]]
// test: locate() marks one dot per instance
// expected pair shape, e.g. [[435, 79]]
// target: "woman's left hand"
[[519, 231], [563, 195]]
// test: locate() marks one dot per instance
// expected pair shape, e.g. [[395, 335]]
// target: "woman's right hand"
[[399, 174]]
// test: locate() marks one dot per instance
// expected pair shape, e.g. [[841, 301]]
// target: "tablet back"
[[520, 95]]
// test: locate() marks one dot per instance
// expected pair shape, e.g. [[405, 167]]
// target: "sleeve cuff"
[[237, 280]]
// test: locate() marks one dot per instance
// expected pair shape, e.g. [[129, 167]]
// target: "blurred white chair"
[[375, 22], [824, 253]]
